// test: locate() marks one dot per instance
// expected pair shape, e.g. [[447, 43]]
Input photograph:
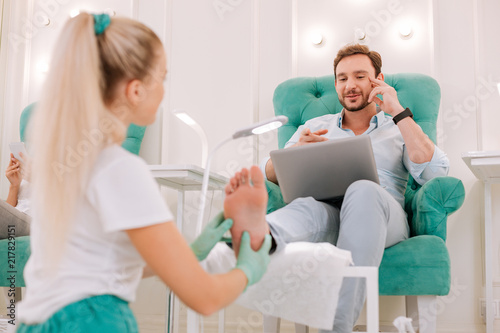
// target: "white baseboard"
[[442, 328], [156, 324], [463, 328]]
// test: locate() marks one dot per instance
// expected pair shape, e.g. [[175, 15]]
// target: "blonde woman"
[[98, 216]]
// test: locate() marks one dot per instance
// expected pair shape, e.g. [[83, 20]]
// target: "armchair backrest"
[[132, 142], [304, 98]]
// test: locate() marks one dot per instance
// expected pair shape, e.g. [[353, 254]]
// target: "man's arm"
[[420, 147], [306, 137]]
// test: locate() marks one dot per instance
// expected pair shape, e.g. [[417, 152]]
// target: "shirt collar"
[[377, 119]]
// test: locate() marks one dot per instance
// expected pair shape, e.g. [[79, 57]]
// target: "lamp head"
[[262, 127], [182, 115]]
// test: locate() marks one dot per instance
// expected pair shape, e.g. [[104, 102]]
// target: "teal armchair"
[[419, 267], [22, 250]]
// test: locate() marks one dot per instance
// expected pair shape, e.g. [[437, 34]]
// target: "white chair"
[[370, 274]]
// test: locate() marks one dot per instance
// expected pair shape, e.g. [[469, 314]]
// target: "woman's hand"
[[13, 172], [253, 263], [211, 235]]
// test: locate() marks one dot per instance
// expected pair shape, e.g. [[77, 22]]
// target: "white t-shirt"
[[99, 257]]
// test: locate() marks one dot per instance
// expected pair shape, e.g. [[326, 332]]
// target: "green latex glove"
[[211, 235], [253, 264]]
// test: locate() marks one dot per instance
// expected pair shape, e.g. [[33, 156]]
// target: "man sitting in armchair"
[[370, 217]]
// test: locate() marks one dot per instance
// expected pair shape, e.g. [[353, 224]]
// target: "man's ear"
[[135, 91], [380, 77]]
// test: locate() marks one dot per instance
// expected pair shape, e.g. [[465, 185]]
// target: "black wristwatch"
[[400, 116]]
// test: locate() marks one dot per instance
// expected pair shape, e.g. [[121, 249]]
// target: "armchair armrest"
[[432, 204], [275, 200]]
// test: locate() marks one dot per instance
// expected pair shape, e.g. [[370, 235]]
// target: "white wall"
[[456, 73], [13, 97], [380, 19], [225, 58], [468, 72]]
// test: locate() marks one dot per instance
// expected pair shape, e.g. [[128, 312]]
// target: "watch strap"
[[402, 115]]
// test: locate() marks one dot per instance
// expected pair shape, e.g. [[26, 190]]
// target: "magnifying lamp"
[[255, 129]]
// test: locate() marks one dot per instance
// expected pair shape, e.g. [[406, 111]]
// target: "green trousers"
[[97, 314]]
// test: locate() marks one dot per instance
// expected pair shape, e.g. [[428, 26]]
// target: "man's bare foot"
[[246, 204]]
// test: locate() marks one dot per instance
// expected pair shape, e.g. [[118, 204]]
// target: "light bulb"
[[405, 30], [316, 38], [185, 118], [42, 67], [42, 19], [110, 12], [359, 34], [267, 127], [74, 13]]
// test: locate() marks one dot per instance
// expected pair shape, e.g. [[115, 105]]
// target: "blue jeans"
[[369, 221]]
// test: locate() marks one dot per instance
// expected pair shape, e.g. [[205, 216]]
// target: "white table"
[[184, 177], [486, 167]]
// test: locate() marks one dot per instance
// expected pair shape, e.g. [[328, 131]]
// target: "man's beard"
[[354, 108]]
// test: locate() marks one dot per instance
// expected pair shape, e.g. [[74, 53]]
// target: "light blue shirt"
[[389, 150]]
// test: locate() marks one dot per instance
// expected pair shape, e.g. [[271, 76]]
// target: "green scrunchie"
[[101, 22]]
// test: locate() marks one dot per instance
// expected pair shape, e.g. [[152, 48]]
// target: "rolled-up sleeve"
[[438, 166], [293, 140], [263, 166]]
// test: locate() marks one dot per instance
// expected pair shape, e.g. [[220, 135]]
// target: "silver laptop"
[[324, 170]]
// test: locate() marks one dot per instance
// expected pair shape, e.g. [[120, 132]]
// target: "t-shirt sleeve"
[[126, 196]]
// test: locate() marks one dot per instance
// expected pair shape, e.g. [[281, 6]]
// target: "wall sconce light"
[[498, 87], [74, 13], [405, 31], [316, 39], [42, 19], [110, 12], [42, 67], [359, 34]]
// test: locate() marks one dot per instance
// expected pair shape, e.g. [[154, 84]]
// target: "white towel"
[[301, 284]]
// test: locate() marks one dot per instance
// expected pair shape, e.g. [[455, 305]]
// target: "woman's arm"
[[12, 196], [167, 253], [13, 174]]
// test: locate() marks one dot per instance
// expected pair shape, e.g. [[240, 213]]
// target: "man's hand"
[[307, 137], [390, 103]]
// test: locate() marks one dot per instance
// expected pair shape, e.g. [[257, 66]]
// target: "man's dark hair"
[[353, 49]]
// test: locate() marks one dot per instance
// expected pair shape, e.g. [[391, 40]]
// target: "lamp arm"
[[204, 187], [204, 143]]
